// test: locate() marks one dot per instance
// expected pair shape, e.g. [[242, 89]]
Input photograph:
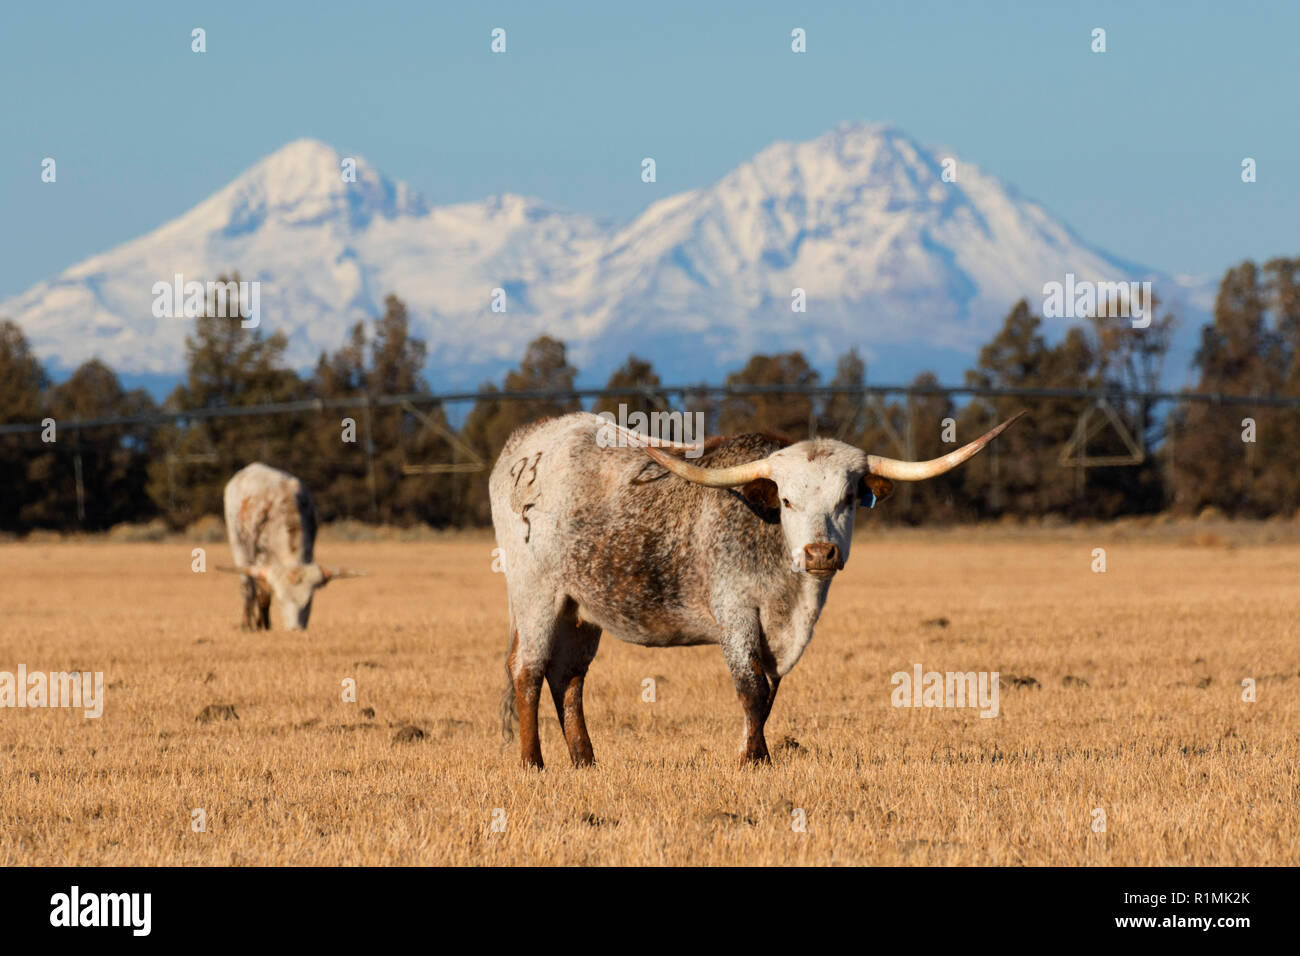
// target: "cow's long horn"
[[237, 570], [712, 477], [921, 470], [614, 433], [330, 575]]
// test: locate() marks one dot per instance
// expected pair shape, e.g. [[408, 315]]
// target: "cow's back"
[[270, 517]]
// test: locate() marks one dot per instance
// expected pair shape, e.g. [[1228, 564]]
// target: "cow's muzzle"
[[821, 559]]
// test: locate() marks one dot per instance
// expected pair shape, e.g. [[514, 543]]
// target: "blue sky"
[[1138, 149]]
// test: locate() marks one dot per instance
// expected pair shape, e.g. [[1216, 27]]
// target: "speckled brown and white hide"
[[271, 522], [604, 539]]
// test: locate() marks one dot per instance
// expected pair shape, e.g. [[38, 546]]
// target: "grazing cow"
[[737, 548], [272, 526]]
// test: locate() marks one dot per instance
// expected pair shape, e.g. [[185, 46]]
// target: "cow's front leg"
[[743, 651], [250, 603]]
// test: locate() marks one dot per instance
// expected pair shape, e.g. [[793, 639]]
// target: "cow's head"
[[816, 486], [293, 586]]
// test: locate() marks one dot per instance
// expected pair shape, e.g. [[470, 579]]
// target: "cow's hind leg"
[[530, 652], [575, 645]]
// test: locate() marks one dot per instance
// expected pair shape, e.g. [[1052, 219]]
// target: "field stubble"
[[1135, 709]]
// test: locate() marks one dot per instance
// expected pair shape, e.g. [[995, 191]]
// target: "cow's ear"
[[762, 493], [873, 488]]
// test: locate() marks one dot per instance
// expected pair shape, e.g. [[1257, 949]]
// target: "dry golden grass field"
[[1150, 727]]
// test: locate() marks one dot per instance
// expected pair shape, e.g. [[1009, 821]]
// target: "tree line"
[[388, 464]]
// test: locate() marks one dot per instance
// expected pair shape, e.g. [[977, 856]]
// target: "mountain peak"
[[856, 163], [304, 150], [308, 182]]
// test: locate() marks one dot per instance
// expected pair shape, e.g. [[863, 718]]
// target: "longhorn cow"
[[737, 548], [271, 521]]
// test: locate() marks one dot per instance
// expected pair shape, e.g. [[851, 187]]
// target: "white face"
[[819, 485], [293, 588]]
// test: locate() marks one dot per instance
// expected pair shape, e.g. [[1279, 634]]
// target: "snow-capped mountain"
[[891, 258]]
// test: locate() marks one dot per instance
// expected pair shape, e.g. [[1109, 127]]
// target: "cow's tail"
[[509, 710]]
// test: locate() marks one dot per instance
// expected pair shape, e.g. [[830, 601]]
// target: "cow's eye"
[[786, 502]]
